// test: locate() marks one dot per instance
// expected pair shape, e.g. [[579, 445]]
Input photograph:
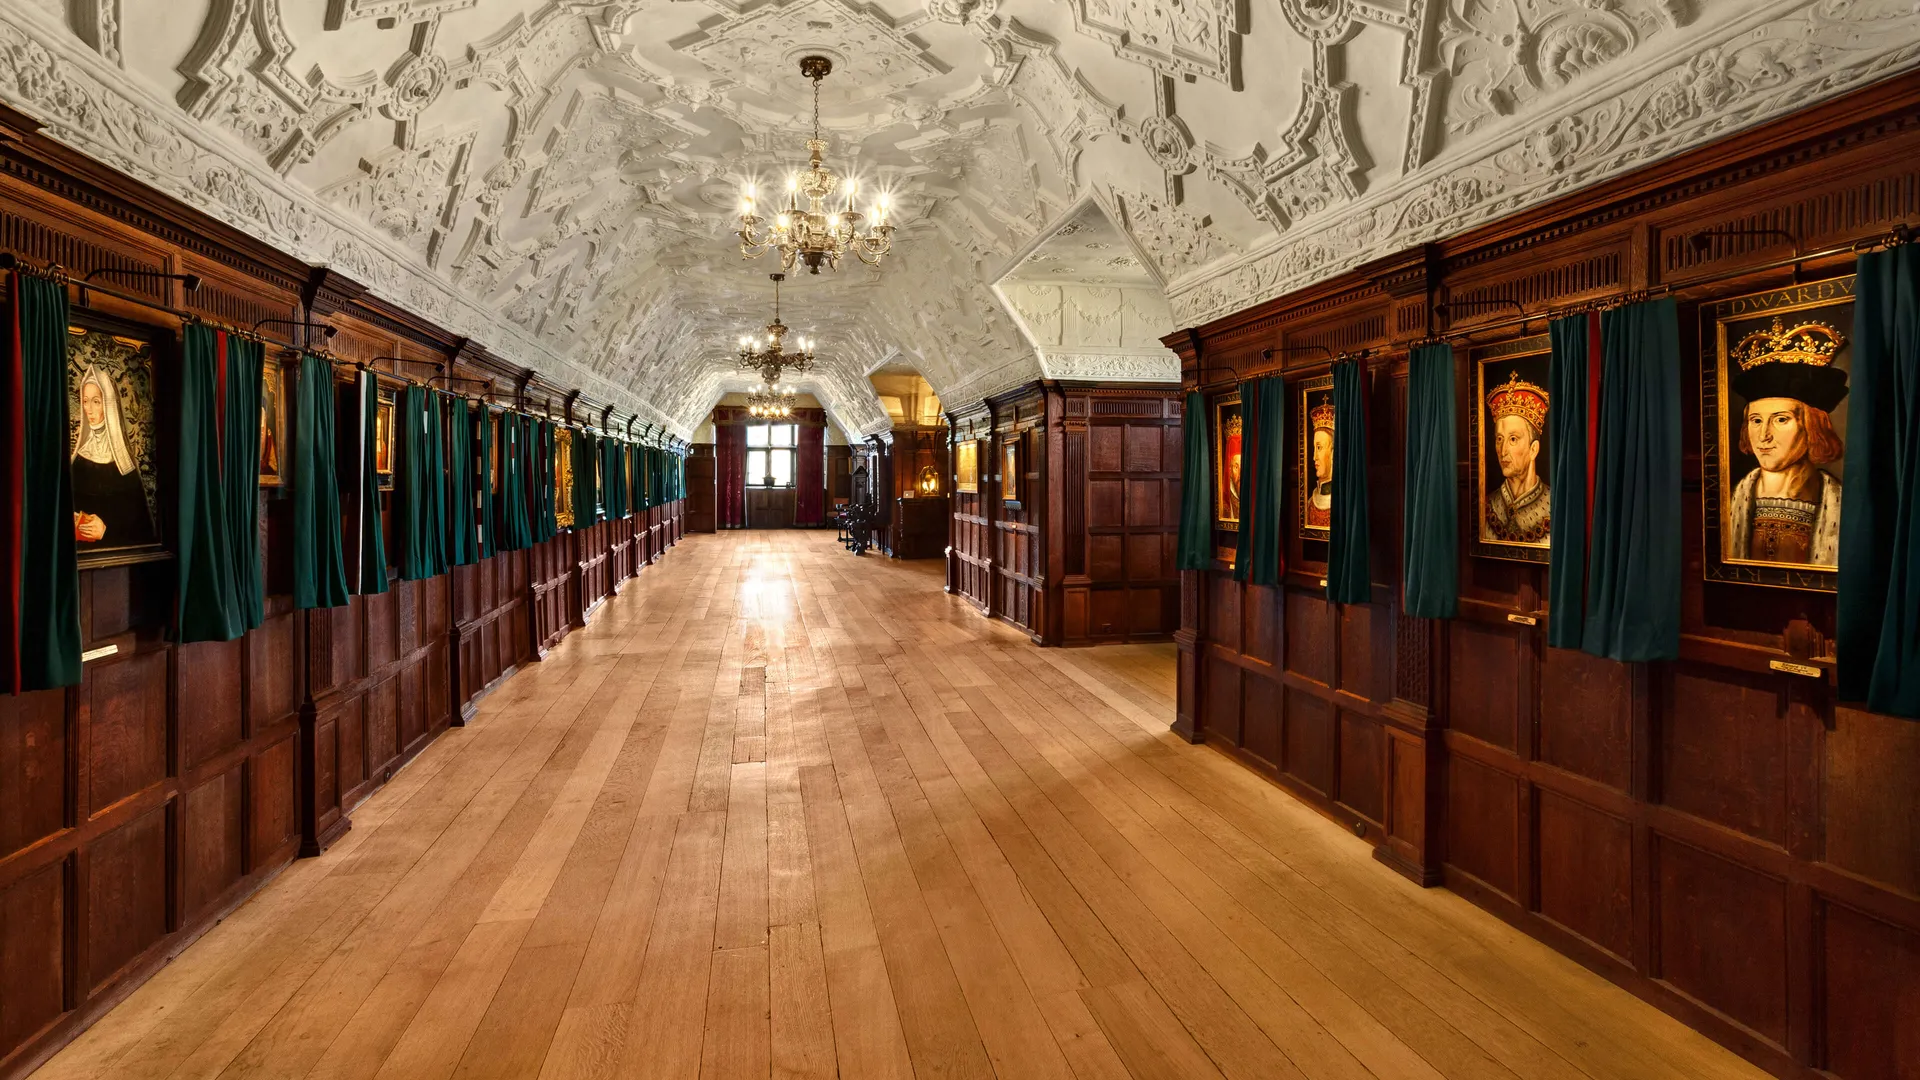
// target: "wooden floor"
[[781, 811]]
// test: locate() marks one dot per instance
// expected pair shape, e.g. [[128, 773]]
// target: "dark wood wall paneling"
[[702, 489], [1087, 555], [139, 807], [1722, 838]]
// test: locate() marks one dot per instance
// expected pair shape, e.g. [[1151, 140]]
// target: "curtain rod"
[[18, 263], [1900, 234]]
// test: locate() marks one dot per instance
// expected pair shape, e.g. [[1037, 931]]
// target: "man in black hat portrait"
[[1788, 509]]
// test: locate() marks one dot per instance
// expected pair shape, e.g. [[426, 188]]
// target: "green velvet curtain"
[[585, 493], [1567, 387], [42, 626], [220, 592], [372, 561], [1878, 624], [246, 368], [485, 531], [1196, 487], [1430, 522], [1633, 565], [616, 454], [207, 608], [544, 526], [1263, 407], [513, 527], [1349, 575], [420, 493], [463, 548], [319, 563]]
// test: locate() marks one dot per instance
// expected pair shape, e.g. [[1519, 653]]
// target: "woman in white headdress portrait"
[[109, 501]]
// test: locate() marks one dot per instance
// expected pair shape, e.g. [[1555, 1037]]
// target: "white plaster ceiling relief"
[[558, 179]]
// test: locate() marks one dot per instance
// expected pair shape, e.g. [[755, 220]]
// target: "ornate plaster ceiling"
[[557, 178]]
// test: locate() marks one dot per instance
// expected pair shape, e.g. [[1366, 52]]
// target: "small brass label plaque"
[[100, 653], [1323, 583], [1808, 670], [1523, 620]]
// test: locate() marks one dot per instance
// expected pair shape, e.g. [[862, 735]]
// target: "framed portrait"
[[496, 476], [1314, 465], [1012, 471], [600, 480], [966, 466], [113, 432], [1773, 414], [1509, 450], [273, 425], [383, 439], [563, 477], [1227, 431]]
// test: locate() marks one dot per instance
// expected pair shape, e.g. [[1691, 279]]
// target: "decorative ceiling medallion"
[[875, 60]]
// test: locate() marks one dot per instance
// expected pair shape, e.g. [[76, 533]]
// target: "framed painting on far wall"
[[1773, 410], [563, 477], [1314, 467], [966, 466], [1509, 450], [383, 439], [273, 425], [111, 449], [1226, 462], [1012, 471]]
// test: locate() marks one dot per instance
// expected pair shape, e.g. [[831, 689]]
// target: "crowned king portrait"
[[1787, 509], [1518, 508], [1320, 491]]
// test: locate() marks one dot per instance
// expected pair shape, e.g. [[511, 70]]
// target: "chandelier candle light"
[[768, 402], [813, 234], [769, 355]]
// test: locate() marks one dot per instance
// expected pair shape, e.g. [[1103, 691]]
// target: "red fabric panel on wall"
[[810, 477], [731, 445]]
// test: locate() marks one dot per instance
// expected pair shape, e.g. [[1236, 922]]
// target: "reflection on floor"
[[780, 811]]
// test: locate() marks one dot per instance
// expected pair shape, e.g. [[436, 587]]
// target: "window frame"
[[791, 451]]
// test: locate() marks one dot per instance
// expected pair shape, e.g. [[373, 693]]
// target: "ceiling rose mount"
[[806, 231]]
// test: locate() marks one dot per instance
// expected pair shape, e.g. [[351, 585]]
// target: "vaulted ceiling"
[[559, 179]]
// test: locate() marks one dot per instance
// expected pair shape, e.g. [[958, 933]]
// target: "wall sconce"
[[929, 481]]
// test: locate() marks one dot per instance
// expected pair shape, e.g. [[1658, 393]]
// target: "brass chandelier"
[[768, 355], [769, 402], [814, 235]]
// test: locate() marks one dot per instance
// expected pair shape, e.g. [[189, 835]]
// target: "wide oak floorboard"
[[783, 812]]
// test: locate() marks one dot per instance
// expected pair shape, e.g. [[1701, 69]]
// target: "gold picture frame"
[[563, 477], [1012, 470], [966, 466], [273, 425], [383, 436], [1791, 349], [113, 451], [1313, 464], [1510, 403], [1228, 453]]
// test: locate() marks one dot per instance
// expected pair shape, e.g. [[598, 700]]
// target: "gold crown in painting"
[[1321, 417], [1812, 343], [1518, 397]]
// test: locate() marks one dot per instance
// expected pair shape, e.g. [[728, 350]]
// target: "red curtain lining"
[[810, 477], [731, 447]]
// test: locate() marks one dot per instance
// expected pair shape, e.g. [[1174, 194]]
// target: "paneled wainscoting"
[[777, 811]]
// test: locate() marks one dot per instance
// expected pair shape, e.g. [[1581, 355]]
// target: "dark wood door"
[[769, 508]]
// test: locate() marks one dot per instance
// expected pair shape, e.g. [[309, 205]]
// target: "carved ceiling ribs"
[[555, 179]]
